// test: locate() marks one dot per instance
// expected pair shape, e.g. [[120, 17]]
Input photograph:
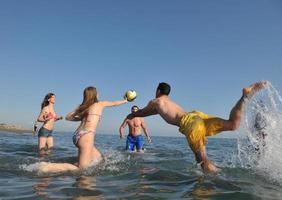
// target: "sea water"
[[166, 170]]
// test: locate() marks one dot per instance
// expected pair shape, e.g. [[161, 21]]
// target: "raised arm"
[[145, 130], [121, 128], [113, 103], [147, 111]]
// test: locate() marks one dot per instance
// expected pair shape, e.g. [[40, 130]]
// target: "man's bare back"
[[167, 109]]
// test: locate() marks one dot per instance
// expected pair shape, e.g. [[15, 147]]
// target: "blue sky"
[[207, 51]]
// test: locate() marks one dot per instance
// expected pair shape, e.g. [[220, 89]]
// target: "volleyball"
[[130, 95]]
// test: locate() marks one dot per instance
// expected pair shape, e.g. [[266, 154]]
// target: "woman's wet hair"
[[45, 101], [164, 88]]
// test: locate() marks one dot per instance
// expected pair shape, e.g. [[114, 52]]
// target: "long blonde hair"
[[89, 98]]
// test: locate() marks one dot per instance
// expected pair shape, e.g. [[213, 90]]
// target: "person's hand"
[[120, 136], [60, 118], [125, 98]]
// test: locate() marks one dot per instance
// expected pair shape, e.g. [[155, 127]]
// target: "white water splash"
[[262, 149], [113, 162], [34, 167]]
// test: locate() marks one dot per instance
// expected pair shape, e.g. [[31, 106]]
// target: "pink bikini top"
[[51, 116]]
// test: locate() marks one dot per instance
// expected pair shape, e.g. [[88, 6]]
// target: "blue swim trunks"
[[133, 142], [44, 132]]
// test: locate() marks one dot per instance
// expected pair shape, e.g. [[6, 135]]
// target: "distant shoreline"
[[14, 129]]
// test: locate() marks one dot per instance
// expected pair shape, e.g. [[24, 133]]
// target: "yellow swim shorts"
[[196, 126]]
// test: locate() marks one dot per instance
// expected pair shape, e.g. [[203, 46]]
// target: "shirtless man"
[[195, 125], [134, 137]]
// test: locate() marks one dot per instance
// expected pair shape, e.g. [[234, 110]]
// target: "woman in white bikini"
[[89, 113]]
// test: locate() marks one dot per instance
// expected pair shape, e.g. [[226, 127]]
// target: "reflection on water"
[[86, 182], [40, 188], [87, 188], [201, 190]]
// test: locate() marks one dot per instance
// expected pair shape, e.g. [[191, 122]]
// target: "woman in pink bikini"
[[48, 117], [89, 113]]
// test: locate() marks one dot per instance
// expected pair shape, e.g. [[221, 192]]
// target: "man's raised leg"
[[236, 113]]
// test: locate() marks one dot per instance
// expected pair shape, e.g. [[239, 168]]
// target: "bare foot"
[[252, 89], [209, 167]]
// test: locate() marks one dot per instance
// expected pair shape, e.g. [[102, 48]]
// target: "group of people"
[[89, 113], [195, 125], [48, 117]]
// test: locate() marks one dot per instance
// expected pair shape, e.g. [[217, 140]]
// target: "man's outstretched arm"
[[146, 111]]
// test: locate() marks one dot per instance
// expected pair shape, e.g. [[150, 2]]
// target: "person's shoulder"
[[45, 109], [155, 101], [129, 117], [94, 106], [160, 100], [101, 103]]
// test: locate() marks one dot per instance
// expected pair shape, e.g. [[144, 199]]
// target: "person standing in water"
[[48, 117], [89, 113], [134, 138], [195, 125]]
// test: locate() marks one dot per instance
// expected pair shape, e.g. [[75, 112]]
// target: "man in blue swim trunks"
[[134, 138]]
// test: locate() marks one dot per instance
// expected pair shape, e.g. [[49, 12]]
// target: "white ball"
[[130, 95]]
